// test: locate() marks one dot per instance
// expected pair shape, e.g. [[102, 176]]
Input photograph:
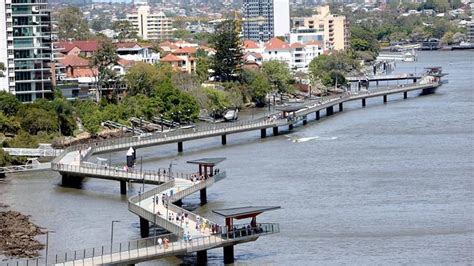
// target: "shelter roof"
[[241, 211], [207, 161]]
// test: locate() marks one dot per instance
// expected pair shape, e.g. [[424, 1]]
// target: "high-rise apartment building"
[[335, 28], [25, 48], [265, 19], [151, 25]]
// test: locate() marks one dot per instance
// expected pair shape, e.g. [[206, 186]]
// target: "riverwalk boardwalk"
[[162, 205]]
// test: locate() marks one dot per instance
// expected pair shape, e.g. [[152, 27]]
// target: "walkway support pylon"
[[224, 139], [180, 146], [144, 228], [263, 133], [201, 257], [203, 196], [405, 95], [123, 187], [384, 98], [317, 115], [229, 254], [275, 131], [363, 103], [329, 110], [290, 126], [341, 107]]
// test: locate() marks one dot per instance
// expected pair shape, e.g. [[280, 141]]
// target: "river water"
[[388, 184]]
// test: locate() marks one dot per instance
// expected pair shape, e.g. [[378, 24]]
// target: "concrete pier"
[[405, 95], [229, 254], [224, 139], [201, 257], [71, 181], [341, 107], [123, 187], [144, 228], [203, 196], [180, 146], [275, 131], [363, 102], [385, 99], [318, 116], [329, 110], [263, 133]]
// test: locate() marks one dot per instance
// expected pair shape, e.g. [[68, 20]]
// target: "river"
[[387, 184]]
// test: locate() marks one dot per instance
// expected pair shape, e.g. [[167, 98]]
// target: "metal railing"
[[33, 152], [147, 248]]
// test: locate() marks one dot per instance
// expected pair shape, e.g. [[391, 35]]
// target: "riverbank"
[[17, 234]]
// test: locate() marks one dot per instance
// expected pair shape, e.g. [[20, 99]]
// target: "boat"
[[231, 114], [463, 46]]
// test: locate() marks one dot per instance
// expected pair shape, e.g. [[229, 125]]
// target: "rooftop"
[[241, 211], [207, 161]]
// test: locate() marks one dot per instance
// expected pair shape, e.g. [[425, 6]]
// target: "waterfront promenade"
[[70, 165]]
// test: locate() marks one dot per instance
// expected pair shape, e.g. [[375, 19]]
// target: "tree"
[[177, 105], [64, 114], [5, 158], [364, 40], [182, 34], [34, 120], [328, 68], [2, 68], [447, 38], [441, 5], [259, 88], [227, 62], [124, 30], [103, 59], [142, 78], [9, 104], [8, 124], [72, 25], [202, 66], [278, 74], [216, 100]]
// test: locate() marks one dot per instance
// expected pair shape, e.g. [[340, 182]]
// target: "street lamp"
[[170, 168], [112, 235], [47, 245]]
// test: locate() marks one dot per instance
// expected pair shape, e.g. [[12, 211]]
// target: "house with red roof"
[[137, 52], [78, 48], [297, 55]]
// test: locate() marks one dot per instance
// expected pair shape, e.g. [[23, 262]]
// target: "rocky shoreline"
[[17, 235]]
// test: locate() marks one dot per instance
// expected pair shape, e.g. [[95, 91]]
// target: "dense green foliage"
[[278, 74], [40, 121], [72, 25], [124, 30], [227, 62], [331, 69]]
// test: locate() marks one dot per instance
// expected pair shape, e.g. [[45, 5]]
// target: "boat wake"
[[297, 139]]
